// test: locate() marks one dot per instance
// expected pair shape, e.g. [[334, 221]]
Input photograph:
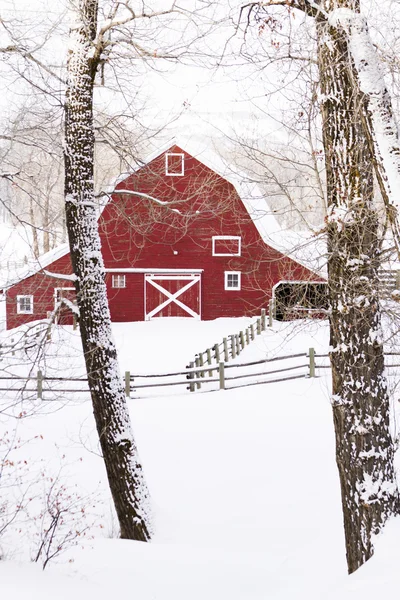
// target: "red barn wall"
[[41, 287], [141, 233]]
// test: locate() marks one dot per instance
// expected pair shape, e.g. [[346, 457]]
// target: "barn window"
[[118, 281], [232, 280], [295, 300], [226, 245], [25, 305], [174, 164]]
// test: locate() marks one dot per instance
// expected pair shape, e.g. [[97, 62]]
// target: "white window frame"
[[227, 237], [24, 312], [230, 288], [167, 155], [116, 280]]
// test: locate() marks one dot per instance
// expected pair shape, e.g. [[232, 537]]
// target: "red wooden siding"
[[169, 225]]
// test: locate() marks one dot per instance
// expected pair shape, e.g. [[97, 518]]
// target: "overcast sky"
[[209, 98]]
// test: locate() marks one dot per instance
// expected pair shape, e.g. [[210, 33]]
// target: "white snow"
[[244, 483]]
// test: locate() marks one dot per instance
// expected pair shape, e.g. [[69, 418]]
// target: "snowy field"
[[244, 483]]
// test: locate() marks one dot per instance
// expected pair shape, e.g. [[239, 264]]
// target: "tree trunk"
[[46, 224], [360, 400], [35, 240], [124, 471]]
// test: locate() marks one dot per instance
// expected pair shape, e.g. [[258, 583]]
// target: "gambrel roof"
[[304, 247]]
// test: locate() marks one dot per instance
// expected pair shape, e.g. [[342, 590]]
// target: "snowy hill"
[[244, 483]]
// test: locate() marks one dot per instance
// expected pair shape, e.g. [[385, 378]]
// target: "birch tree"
[[124, 471], [360, 399]]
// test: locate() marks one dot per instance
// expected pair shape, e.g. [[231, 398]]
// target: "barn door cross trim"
[[173, 297]]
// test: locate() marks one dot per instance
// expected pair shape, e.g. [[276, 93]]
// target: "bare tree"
[[360, 399], [126, 479]]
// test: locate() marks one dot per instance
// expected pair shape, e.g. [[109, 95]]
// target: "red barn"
[[178, 241]]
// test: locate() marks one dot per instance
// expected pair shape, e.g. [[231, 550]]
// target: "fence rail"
[[25, 342], [232, 345], [221, 376]]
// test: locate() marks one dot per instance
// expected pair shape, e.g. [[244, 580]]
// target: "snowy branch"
[[311, 8], [147, 196], [64, 276]]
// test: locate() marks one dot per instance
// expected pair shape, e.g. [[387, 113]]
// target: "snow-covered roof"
[[33, 266]]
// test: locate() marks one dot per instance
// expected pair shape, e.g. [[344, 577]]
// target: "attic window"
[[226, 245], [25, 305], [174, 164]]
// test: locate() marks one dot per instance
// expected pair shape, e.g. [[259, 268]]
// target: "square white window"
[[232, 280], [174, 164], [118, 281], [25, 305], [226, 245]]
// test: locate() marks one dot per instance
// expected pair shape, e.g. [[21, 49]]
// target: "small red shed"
[[178, 240]]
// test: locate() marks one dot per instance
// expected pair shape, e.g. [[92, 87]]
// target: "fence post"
[[311, 354], [233, 342], [258, 326], [247, 336], [270, 313], [74, 322], [201, 363], [237, 341], [209, 361], [226, 350], [191, 376], [252, 331], [242, 343], [221, 376], [127, 384], [197, 362], [40, 385], [12, 347], [216, 353], [263, 319], [397, 280]]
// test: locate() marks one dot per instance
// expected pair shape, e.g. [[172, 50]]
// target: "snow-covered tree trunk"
[[378, 119], [124, 471], [364, 446]]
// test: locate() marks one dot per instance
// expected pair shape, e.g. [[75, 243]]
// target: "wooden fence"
[[234, 344], [221, 376], [26, 341]]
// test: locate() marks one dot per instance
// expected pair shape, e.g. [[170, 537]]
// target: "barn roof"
[[34, 266], [305, 247]]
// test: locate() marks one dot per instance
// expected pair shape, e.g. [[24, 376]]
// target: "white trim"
[[56, 289], [167, 155], [233, 289], [154, 270], [64, 288], [172, 298], [24, 312], [227, 237], [116, 278]]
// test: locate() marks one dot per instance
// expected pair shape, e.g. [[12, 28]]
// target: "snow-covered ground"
[[244, 483]]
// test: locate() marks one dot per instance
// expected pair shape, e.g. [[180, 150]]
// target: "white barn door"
[[172, 296]]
